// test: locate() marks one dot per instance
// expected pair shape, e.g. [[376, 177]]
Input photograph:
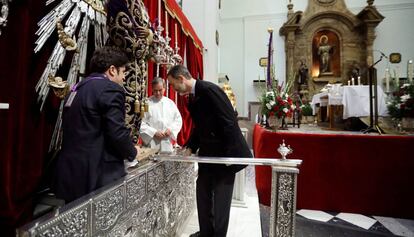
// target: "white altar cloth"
[[355, 100]]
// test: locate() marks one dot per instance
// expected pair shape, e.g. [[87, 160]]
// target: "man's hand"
[[137, 147], [159, 135], [185, 151], [167, 133]]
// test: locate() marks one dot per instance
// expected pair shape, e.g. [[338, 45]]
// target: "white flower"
[[270, 93], [405, 85], [293, 107], [272, 103], [268, 106], [404, 98], [285, 110]]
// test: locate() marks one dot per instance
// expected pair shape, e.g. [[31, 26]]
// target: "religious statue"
[[324, 52], [303, 74], [355, 70]]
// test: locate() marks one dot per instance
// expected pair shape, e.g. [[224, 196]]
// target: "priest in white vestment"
[[162, 123]]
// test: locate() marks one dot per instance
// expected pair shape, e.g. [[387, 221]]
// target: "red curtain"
[[25, 132], [188, 42]]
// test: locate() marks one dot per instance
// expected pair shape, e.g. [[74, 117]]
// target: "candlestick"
[[387, 80], [159, 12], [166, 23], [353, 81], [175, 35], [359, 80], [410, 70]]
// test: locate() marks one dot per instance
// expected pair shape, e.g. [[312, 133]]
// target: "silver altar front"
[[153, 200], [157, 198]]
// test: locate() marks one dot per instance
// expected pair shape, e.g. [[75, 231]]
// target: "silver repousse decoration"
[[283, 202], [284, 205], [4, 13], [67, 19], [74, 222], [127, 208]]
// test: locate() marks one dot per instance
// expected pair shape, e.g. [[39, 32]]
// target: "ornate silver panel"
[[107, 208], [73, 222], [283, 202], [145, 203], [4, 13], [135, 190]]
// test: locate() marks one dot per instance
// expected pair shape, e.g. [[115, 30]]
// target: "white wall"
[[203, 15], [243, 24]]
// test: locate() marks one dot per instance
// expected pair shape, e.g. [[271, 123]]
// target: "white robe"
[[161, 115]]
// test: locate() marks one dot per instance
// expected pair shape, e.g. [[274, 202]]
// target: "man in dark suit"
[[95, 138], [216, 133]]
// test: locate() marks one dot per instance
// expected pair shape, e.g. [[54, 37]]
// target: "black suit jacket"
[[95, 139], [216, 131]]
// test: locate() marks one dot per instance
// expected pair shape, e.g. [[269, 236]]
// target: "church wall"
[[243, 38], [204, 17]]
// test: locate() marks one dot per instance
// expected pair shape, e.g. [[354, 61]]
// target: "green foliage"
[[402, 103], [306, 109]]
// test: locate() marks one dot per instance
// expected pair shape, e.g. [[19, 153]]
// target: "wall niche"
[[331, 41]]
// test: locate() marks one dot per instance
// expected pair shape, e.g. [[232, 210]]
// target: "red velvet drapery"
[[362, 174], [190, 46], [25, 133]]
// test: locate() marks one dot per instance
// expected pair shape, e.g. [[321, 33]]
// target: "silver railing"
[[284, 185]]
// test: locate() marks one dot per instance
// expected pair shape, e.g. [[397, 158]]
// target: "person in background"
[[162, 123], [216, 133], [95, 138]]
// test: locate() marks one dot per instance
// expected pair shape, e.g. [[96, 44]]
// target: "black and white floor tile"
[[377, 224]]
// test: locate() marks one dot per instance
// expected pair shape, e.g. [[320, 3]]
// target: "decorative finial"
[[290, 9], [370, 2], [284, 150], [270, 29]]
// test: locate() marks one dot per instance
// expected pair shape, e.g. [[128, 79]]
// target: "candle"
[[166, 23], [397, 79], [359, 80], [387, 80], [349, 82], [159, 12], [175, 35], [353, 81], [410, 71]]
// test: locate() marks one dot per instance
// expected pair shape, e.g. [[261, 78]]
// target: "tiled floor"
[[253, 221]]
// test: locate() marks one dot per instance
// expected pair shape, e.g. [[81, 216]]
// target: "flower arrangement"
[[277, 102], [401, 104]]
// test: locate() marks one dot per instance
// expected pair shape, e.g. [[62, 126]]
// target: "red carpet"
[[366, 174]]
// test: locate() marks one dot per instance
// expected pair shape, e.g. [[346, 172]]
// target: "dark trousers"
[[214, 194]]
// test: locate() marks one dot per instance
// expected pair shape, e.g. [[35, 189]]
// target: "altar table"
[[355, 100], [365, 174]]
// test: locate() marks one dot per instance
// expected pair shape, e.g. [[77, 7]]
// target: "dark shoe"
[[196, 234]]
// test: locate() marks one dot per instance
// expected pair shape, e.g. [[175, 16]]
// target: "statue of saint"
[[324, 52], [303, 74]]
